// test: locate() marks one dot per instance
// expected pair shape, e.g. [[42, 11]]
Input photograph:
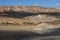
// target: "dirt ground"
[[36, 27]]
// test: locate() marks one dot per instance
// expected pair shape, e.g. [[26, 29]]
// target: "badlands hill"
[[29, 23], [29, 16], [32, 9]]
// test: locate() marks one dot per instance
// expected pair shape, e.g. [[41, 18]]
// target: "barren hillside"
[[29, 23], [32, 9], [28, 18]]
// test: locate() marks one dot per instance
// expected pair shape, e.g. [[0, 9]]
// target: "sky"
[[42, 3]]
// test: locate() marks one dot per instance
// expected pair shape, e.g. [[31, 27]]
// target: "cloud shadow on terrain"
[[26, 14]]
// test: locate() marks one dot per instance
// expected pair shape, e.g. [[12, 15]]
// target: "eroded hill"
[[31, 18], [29, 23], [32, 9]]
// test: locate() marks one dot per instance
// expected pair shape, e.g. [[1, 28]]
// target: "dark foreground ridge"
[[51, 34]]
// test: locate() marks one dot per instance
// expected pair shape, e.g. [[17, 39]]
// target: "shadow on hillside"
[[26, 14], [5, 35], [53, 14], [17, 14], [8, 35]]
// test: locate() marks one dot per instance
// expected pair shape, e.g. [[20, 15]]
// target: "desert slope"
[[33, 9], [29, 23], [31, 18]]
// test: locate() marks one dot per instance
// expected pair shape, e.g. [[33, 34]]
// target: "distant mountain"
[[32, 9]]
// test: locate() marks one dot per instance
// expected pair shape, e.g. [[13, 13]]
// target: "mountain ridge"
[[32, 9]]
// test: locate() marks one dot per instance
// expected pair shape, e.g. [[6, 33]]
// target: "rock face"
[[33, 9]]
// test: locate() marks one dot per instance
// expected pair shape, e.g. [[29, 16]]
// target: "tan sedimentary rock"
[[33, 9], [16, 20]]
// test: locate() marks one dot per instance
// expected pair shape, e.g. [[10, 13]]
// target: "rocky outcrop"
[[33, 9]]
